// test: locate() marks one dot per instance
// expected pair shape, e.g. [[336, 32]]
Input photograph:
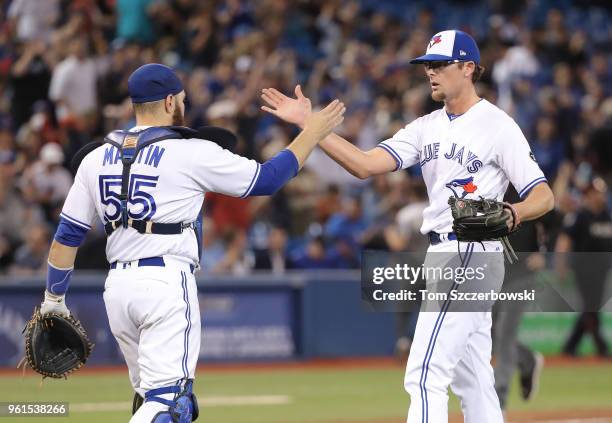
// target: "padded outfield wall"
[[257, 318]]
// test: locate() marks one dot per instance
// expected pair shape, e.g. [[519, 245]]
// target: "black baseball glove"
[[484, 220], [55, 345]]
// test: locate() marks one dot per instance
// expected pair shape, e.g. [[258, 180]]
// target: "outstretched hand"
[[292, 110], [323, 122]]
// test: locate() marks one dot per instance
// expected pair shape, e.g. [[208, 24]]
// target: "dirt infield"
[[339, 363], [584, 416]]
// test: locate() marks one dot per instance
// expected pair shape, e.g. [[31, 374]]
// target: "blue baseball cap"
[[153, 82], [450, 45]]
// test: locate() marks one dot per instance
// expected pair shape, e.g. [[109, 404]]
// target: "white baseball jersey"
[[471, 155], [168, 181]]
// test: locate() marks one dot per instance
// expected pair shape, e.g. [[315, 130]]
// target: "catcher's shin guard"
[[182, 409], [162, 417]]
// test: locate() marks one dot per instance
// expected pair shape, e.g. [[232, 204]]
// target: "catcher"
[[147, 186]]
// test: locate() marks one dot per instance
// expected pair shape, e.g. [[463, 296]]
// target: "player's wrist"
[[54, 298], [514, 212], [311, 131], [54, 304], [301, 123], [58, 279]]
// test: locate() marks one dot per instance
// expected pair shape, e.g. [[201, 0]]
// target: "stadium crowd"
[[63, 83]]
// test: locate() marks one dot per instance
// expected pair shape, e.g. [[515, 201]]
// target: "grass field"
[[309, 394]]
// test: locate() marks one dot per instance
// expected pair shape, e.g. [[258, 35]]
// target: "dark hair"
[[478, 71]]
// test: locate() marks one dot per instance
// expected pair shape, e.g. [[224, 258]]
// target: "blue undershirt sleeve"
[[275, 173], [69, 233]]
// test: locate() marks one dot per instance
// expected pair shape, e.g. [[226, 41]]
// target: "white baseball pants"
[[453, 348], [154, 315]]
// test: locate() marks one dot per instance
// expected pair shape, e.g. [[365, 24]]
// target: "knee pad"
[[186, 409], [183, 408], [162, 417]]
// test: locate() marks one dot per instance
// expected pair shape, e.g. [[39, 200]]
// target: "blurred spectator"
[[133, 20], [273, 257], [63, 80], [329, 203], [314, 256], [589, 235], [346, 228], [410, 218], [554, 38], [7, 144], [202, 39], [47, 182], [599, 142], [515, 62], [213, 249], [34, 19], [31, 257], [31, 75], [547, 148], [15, 214], [228, 212], [73, 83], [234, 260], [408, 236]]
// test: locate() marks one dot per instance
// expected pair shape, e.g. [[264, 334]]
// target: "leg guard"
[[162, 417], [136, 403], [182, 409]]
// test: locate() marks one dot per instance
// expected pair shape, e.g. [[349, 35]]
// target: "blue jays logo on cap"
[[450, 45], [435, 40]]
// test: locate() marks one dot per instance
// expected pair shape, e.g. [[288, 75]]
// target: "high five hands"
[[291, 110]]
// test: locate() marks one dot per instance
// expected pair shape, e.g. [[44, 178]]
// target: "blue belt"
[[149, 261], [436, 238]]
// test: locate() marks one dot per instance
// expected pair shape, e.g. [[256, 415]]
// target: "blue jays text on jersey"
[[470, 160], [477, 153]]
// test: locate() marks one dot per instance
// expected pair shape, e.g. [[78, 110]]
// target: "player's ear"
[[469, 66], [169, 103]]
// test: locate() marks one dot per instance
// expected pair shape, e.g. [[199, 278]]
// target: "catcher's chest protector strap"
[[130, 144]]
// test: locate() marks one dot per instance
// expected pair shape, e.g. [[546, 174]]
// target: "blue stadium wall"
[[255, 318]]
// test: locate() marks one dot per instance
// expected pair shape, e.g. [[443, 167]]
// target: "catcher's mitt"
[[484, 220], [55, 345]]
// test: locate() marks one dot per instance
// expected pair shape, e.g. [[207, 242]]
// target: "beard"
[[178, 117]]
